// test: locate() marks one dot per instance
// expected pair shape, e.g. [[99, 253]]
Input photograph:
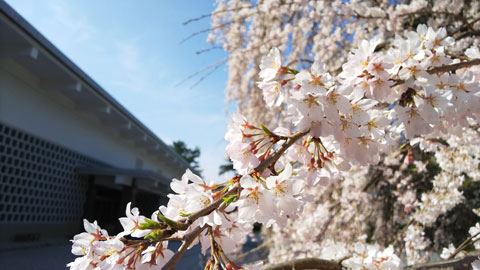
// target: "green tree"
[[227, 167], [190, 155]]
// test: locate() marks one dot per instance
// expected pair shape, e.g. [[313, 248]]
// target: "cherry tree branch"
[[273, 158], [315, 263], [468, 34], [465, 26], [427, 11], [257, 248], [307, 263], [188, 239], [446, 68], [464, 244], [455, 264], [211, 207], [453, 67]]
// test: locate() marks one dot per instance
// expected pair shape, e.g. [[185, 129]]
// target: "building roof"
[[43, 58]]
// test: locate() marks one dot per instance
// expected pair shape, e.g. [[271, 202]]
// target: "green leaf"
[[154, 235], [267, 131], [229, 199], [172, 223], [145, 226], [151, 224], [185, 215], [293, 71], [149, 221]]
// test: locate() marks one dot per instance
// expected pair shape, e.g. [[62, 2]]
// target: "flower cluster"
[[322, 30], [334, 127]]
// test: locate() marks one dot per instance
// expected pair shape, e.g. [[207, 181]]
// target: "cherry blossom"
[[345, 143]]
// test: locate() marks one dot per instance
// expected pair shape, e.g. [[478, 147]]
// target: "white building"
[[64, 139]]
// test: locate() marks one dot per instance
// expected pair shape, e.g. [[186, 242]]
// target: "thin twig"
[[461, 57], [319, 237], [214, 13], [463, 245], [399, 234], [243, 255], [468, 34], [208, 49], [211, 66], [458, 17], [204, 31], [469, 25], [205, 76]]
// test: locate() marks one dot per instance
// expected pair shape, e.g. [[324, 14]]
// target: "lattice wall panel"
[[38, 183]]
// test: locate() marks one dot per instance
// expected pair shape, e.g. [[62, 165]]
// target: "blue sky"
[[132, 49]]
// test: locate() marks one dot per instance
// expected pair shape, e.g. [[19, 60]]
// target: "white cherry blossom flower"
[[270, 65], [256, 202], [132, 222], [155, 257]]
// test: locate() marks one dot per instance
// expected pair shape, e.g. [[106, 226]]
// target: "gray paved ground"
[[40, 258], [57, 256]]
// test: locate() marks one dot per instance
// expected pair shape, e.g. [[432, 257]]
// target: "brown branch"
[[273, 158], [211, 207], [458, 17], [464, 244], [465, 26], [446, 68], [456, 264], [257, 248], [369, 17], [399, 234], [319, 264], [453, 67], [307, 263], [188, 239], [319, 237], [461, 57], [469, 34]]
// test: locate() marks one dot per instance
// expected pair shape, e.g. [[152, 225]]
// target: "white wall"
[[51, 116]]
